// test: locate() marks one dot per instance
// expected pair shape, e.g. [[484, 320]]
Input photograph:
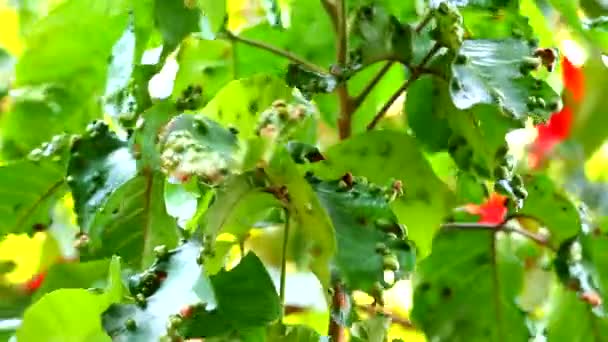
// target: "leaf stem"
[[277, 51], [284, 263], [416, 72], [357, 101], [540, 240]]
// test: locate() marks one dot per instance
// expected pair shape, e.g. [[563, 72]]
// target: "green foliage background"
[[300, 170]]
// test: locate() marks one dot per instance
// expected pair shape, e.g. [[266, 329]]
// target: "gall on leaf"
[[591, 298], [492, 211]]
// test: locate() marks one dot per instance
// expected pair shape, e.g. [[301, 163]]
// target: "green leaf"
[[52, 318], [92, 274], [175, 20], [589, 127], [373, 329], [492, 74], [390, 156], [66, 64], [29, 189], [378, 35], [466, 289], [215, 13], [100, 164], [363, 220], [311, 225], [308, 36], [403, 10], [428, 107], [483, 129], [204, 63], [175, 292], [240, 202], [588, 326], [246, 294], [241, 101], [549, 206], [482, 22], [133, 221]]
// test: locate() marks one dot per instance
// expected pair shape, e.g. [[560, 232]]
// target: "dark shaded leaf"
[[363, 222], [100, 164]]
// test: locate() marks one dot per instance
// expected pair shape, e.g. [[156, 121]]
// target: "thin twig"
[[284, 263], [540, 240], [401, 321], [427, 18], [279, 52], [357, 101], [416, 72]]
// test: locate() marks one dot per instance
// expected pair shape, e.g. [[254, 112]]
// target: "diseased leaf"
[[193, 145], [363, 222], [385, 156], [240, 102], [492, 73], [203, 63], [174, 293], [471, 295]]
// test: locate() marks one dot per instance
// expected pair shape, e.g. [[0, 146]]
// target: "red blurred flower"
[[559, 126], [574, 79], [492, 211], [34, 283]]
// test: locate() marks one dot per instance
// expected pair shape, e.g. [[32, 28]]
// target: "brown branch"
[[416, 72], [357, 101], [338, 302], [279, 52]]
